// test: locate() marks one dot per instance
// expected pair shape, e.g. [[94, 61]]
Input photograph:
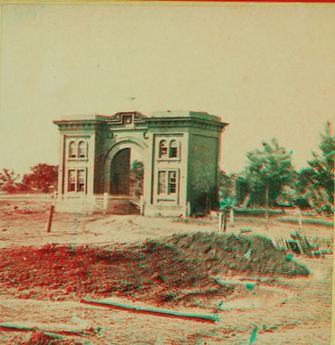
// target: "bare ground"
[[303, 318]]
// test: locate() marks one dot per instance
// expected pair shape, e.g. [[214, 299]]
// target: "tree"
[[225, 185], [7, 181], [203, 187], [296, 192], [42, 177], [270, 170], [136, 177], [314, 186], [322, 166]]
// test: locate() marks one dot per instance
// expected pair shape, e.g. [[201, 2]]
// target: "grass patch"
[[307, 221], [256, 212], [203, 221]]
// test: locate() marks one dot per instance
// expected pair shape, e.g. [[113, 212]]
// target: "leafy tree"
[[42, 177], [322, 166], [225, 184], [7, 181], [269, 170], [314, 186], [204, 188], [136, 177]]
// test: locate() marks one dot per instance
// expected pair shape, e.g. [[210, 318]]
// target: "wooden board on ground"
[[191, 313]]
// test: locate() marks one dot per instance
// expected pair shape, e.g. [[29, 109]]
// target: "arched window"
[[81, 150], [173, 151], [162, 149], [72, 149]]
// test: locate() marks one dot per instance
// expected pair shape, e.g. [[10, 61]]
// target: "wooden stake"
[[50, 218], [300, 220], [105, 201], [231, 216], [225, 221], [142, 205], [220, 221]]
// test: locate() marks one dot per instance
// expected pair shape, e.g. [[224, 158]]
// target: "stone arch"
[[116, 148]]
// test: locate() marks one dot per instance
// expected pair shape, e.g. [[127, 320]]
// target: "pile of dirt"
[[151, 271], [41, 338], [231, 254], [174, 270]]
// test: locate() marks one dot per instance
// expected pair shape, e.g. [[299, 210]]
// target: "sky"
[[267, 70]]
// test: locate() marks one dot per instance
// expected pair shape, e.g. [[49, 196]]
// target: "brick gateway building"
[[179, 149]]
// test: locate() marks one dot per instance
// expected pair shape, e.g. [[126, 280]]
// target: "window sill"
[[168, 159], [77, 159], [166, 197]]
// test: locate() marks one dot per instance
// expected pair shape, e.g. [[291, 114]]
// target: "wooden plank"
[[307, 248], [156, 312], [45, 329]]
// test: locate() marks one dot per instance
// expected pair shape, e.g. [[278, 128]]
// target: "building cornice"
[[186, 122], [142, 123], [79, 124]]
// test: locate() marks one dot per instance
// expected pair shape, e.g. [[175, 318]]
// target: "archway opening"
[[127, 173]]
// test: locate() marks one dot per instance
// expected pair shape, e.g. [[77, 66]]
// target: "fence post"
[[187, 210], [142, 205], [50, 218], [225, 221], [300, 220], [231, 217], [220, 221], [105, 201]]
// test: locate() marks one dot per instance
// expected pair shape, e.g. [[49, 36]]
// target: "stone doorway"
[[127, 173], [120, 171]]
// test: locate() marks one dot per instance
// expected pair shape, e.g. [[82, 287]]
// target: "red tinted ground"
[[305, 318]]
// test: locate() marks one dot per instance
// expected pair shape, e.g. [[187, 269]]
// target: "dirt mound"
[[231, 254], [151, 271], [40, 338], [172, 270]]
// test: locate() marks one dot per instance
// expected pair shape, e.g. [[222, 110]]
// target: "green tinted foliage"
[[269, 170], [321, 173]]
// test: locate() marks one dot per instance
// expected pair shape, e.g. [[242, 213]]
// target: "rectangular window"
[[72, 181], [167, 182], [161, 182], [81, 181], [172, 182], [77, 180]]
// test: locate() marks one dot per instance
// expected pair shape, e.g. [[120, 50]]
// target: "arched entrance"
[[124, 169], [120, 173], [126, 173]]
